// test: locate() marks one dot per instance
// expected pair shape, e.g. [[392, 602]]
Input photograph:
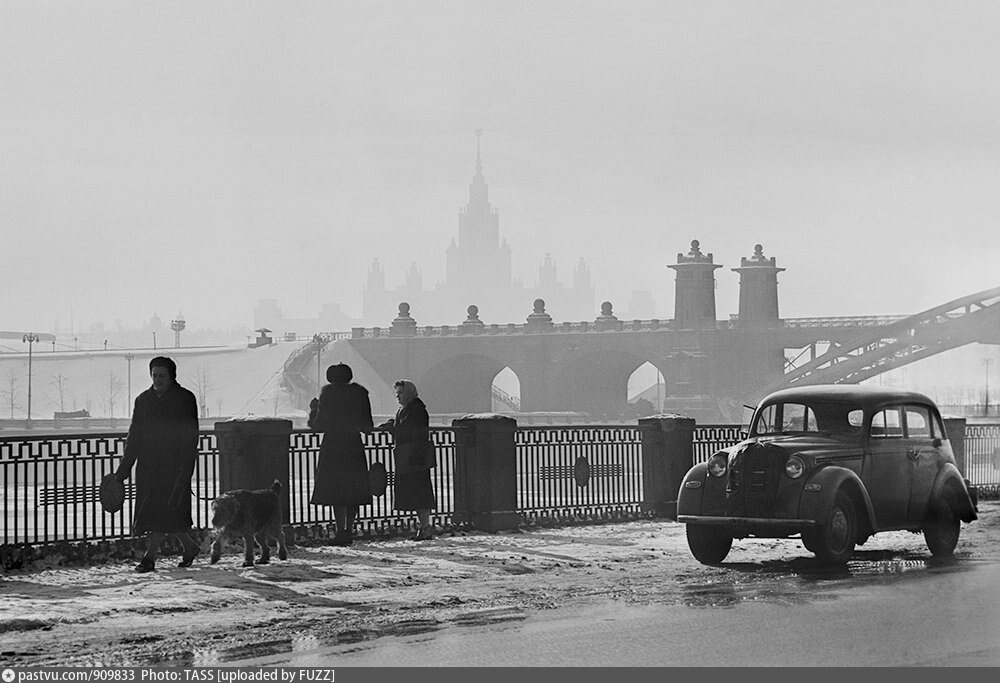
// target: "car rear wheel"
[[834, 539], [941, 529], [708, 544]]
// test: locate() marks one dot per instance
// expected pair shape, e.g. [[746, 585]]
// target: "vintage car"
[[833, 465]]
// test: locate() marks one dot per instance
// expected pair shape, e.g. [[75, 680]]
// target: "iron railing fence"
[[982, 457], [50, 482], [709, 439], [578, 472], [379, 517], [51, 485]]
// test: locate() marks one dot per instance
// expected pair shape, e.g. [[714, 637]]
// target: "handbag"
[[414, 456], [112, 493], [378, 479]]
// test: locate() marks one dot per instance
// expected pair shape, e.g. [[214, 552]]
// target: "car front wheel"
[[708, 544], [834, 539], [941, 529]]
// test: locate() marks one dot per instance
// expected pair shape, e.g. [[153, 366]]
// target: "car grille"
[[754, 474]]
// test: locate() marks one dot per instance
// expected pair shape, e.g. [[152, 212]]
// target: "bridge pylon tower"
[[758, 289], [694, 289]]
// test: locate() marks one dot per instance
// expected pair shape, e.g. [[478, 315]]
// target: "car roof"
[[864, 395]]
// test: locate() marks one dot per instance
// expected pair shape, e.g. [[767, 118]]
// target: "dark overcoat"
[[162, 443], [412, 451], [344, 412], [413, 458]]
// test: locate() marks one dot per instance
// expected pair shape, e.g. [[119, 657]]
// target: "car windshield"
[[796, 417]]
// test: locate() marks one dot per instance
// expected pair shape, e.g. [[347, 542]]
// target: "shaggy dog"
[[251, 515]]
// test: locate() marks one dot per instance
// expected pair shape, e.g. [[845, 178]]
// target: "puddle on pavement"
[[802, 581]]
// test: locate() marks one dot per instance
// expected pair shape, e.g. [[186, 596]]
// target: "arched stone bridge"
[[710, 371]]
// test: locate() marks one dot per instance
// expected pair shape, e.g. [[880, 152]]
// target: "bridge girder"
[[971, 319]]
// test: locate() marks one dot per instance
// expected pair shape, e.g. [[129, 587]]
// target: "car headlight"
[[717, 464], [794, 467]]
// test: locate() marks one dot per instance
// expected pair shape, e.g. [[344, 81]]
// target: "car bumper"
[[756, 522]]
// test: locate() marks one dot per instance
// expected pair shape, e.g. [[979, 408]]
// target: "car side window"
[[918, 422], [938, 427], [796, 417], [856, 418], [887, 424]]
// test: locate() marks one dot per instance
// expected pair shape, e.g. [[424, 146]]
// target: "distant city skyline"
[[149, 163]]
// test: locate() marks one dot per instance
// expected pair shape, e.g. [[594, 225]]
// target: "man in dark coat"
[[163, 444], [343, 412]]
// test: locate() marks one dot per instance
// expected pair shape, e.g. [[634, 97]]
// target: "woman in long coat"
[[343, 413], [163, 444], [413, 457]]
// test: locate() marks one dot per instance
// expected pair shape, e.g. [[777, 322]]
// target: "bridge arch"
[[506, 392], [596, 382], [461, 384], [646, 383]]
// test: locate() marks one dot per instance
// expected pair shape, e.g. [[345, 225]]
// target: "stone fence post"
[[955, 428], [253, 452], [485, 472], [667, 455]]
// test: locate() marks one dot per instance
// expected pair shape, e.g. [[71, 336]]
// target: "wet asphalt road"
[[877, 612]]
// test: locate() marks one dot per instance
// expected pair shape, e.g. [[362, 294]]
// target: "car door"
[[924, 438], [889, 481]]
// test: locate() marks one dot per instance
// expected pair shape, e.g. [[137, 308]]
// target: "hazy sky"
[[197, 156]]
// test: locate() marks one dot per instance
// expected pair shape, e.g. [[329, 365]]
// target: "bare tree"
[[11, 390], [114, 392], [60, 381], [202, 383]]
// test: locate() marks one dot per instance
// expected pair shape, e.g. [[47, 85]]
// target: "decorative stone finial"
[[758, 259], [539, 320], [695, 255], [473, 323], [403, 325], [607, 320]]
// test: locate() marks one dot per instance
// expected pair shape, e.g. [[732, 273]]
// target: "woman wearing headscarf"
[[162, 443], [343, 412], [413, 457]]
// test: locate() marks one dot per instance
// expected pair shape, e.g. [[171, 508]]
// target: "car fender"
[[949, 476], [820, 489], [689, 496]]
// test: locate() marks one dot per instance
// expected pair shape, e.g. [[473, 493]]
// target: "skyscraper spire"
[[479, 159]]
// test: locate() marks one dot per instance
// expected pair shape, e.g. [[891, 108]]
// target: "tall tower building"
[[478, 264], [694, 289], [477, 273]]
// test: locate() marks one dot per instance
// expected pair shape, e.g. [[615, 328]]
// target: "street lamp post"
[[987, 362], [31, 338], [129, 357], [318, 339], [154, 341]]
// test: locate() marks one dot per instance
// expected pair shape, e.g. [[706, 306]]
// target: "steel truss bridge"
[[971, 319]]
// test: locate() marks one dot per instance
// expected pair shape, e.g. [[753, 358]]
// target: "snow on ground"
[[106, 614]]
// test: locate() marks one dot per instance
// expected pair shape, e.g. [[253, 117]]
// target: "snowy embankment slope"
[[228, 380]]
